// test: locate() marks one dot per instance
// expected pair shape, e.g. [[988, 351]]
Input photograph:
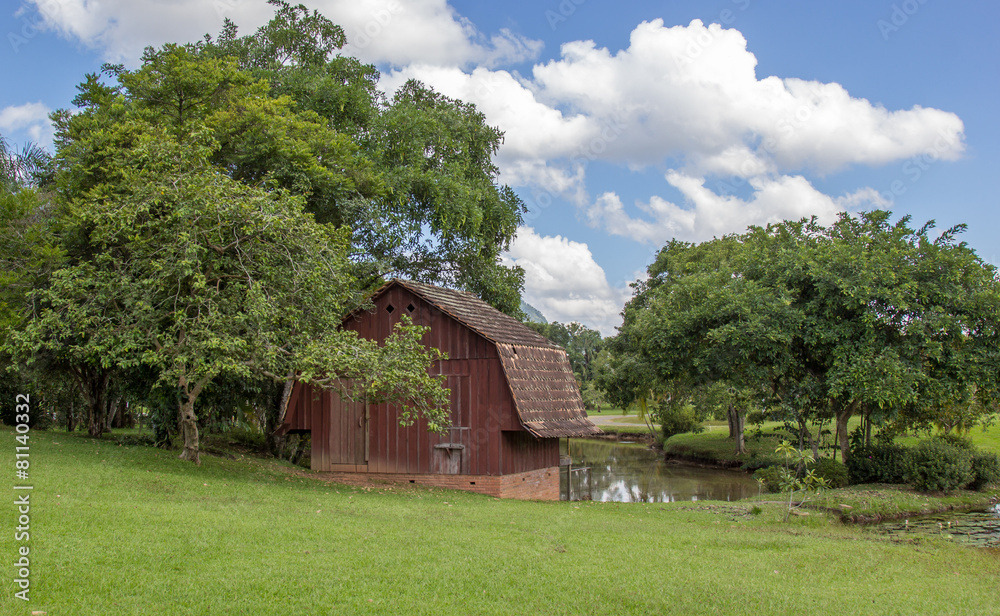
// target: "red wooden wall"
[[484, 419]]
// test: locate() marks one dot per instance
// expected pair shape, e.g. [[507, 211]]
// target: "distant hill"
[[533, 314]]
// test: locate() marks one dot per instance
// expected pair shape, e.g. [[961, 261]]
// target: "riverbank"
[[854, 504], [872, 503], [266, 540]]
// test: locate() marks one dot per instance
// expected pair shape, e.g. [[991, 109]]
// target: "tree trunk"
[[737, 423], [71, 417], [843, 414], [96, 408], [113, 411], [189, 430], [276, 442], [93, 384]]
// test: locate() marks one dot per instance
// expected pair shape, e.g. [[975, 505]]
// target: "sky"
[[627, 125]]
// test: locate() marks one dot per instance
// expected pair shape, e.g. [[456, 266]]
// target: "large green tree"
[[197, 276], [420, 193], [864, 316]]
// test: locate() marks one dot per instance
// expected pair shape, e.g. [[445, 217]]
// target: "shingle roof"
[[541, 380], [477, 315], [545, 392]]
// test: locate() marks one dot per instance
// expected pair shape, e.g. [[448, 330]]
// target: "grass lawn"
[[713, 445], [133, 530]]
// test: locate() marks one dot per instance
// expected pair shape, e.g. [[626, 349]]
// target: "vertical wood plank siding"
[[481, 404], [487, 437]]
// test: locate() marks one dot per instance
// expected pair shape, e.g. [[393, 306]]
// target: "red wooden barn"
[[513, 396]]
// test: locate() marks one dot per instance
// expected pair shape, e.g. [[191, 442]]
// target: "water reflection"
[[631, 473], [976, 528]]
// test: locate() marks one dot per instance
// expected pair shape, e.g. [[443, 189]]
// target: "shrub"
[[678, 419], [248, 437], [834, 472], [769, 477], [935, 465], [985, 470], [879, 462], [957, 440]]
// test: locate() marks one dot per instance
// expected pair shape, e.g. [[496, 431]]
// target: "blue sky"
[[628, 124]]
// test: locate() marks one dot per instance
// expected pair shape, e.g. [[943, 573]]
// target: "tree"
[[420, 193], [864, 316], [582, 345], [696, 321], [198, 275]]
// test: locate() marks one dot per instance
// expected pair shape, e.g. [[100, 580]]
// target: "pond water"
[[974, 528], [631, 472]]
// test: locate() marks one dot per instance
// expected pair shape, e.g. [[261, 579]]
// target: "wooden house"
[[513, 396]]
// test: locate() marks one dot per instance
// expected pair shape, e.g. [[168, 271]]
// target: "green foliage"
[[864, 316], [178, 266], [833, 471], [677, 418], [957, 441], [769, 478], [985, 469], [218, 209], [593, 398], [934, 465], [880, 462], [790, 479], [413, 177]]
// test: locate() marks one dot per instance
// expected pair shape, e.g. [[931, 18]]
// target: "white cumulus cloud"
[[708, 214], [396, 32], [29, 121], [686, 99], [564, 282]]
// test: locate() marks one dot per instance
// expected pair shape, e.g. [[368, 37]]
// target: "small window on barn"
[[390, 308], [411, 308]]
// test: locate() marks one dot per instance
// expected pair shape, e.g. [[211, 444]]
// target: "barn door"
[[453, 451], [348, 432]]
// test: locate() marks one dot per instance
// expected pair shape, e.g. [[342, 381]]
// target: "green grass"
[[714, 445], [874, 502], [133, 530], [988, 439]]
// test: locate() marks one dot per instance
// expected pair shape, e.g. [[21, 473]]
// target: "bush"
[[935, 465], [834, 472], [879, 462], [678, 419], [769, 477], [247, 437], [957, 440], [985, 470]]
